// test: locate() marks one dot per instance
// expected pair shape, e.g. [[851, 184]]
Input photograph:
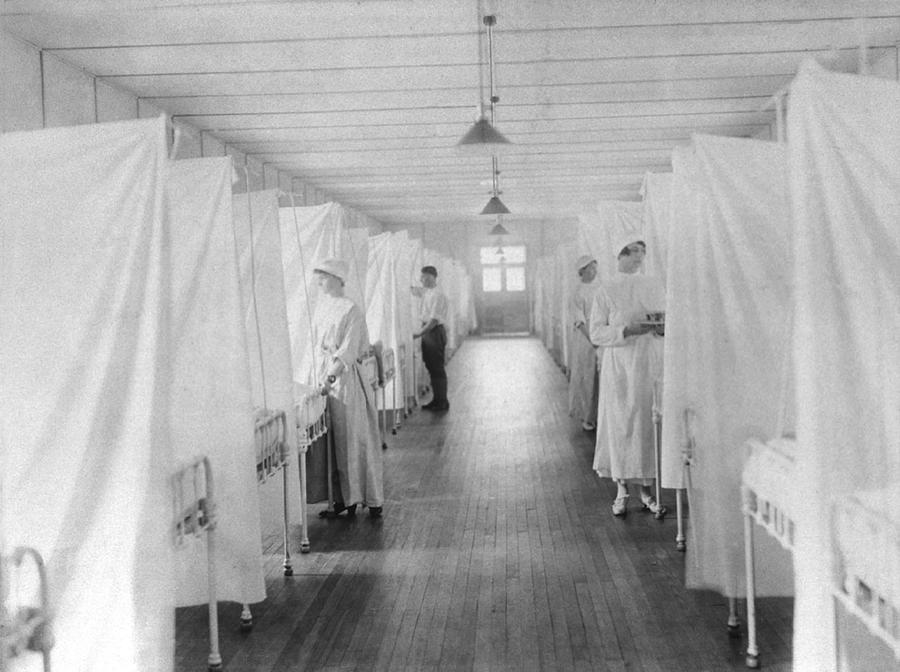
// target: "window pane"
[[515, 278], [490, 279], [500, 254], [514, 254]]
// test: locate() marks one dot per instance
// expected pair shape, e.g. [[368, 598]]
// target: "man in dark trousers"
[[434, 337]]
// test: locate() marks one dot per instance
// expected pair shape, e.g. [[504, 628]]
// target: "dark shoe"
[[428, 407], [339, 508], [375, 512]]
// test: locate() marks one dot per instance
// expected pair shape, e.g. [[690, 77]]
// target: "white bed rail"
[[388, 369], [400, 404], [312, 424], [195, 516], [867, 577], [24, 627], [768, 483], [269, 441]]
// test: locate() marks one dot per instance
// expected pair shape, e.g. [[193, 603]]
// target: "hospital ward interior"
[[449, 335]]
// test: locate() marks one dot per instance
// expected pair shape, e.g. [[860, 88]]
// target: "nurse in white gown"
[[340, 337], [583, 384], [631, 364]]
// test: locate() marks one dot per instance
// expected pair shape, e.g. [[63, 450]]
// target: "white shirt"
[[434, 305]]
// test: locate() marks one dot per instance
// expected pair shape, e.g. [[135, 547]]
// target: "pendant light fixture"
[[499, 230], [482, 137], [495, 206]]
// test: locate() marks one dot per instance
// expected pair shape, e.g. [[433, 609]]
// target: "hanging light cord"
[[489, 20]]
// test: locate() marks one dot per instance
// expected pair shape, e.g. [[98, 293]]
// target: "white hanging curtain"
[[657, 193], [688, 201], [86, 452], [382, 314], [542, 290], [212, 410], [844, 136], [310, 234], [727, 334], [566, 278], [258, 241], [412, 258]]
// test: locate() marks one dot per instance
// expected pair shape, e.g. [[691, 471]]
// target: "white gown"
[[629, 369], [583, 358], [339, 332]]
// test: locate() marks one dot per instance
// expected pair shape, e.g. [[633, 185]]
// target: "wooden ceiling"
[[366, 100]]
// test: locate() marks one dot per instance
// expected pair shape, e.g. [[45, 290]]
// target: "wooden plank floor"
[[497, 551]]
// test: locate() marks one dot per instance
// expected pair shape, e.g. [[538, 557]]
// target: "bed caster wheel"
[[384, 446], [288, 571], [659, 515], [304, 547], [394, 431], [752, 661], [214, 667], [680, 545], [246, 619], [734, 631]]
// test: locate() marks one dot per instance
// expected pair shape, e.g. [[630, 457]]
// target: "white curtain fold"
[[212, 410], [844, 135], [727, 333], [258, 241], [382, 310], [85, 287], [657, 194], [309, 234]]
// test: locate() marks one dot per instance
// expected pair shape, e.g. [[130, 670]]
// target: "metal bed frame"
[[194, 516], [272, 456], [28, 627], [388, 369], [868, 562], [312, 424], [766, 502], [400, 407]]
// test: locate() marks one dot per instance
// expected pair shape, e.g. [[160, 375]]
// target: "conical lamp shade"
[[482, 138], [495, 207], [499, 230]]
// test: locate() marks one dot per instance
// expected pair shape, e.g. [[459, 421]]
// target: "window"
[[515, 279], [503, 268], [491, 279]]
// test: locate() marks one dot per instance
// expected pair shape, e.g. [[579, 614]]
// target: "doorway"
[[504, 293]]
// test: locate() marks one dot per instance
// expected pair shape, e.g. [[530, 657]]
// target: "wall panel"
[[20, 71], [114, 104], [68, 94]]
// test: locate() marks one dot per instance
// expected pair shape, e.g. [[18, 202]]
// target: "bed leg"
[[752, 659], [246, 618], [329, 462], [286, 490], [304, 528], [657, 439], [734, 623], [680, 544], [214, 660], [384, 419]]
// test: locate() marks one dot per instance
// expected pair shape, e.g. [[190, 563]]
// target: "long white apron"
[[339, 329], [583, 388], [629, 368]]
